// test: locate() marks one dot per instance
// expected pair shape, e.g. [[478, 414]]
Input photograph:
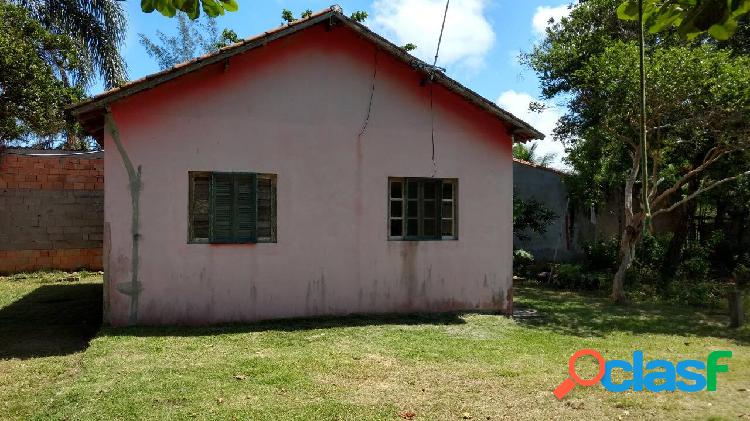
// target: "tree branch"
[[699, 191], [711, 156]]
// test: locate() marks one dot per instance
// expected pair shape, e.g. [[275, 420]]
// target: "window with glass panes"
[[232, 207], [422, 208]]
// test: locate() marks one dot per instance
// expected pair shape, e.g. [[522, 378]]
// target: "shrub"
[[602, 254], [652, 249], [522, 260], [574, 277]]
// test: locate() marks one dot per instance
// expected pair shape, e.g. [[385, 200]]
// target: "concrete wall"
[[51, 210], [575, 225], [546, 185], [295, 108]]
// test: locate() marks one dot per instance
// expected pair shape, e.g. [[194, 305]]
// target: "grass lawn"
[[422, 367]]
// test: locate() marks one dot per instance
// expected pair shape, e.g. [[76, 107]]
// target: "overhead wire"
[[432, 76]]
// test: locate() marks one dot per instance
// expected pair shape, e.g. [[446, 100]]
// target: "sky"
[[480, 48]]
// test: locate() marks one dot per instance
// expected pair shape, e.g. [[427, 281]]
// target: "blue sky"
[[481, 42]]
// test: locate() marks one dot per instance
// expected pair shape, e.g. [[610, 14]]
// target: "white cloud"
[[517, 103], [543, 14], [467, 39]]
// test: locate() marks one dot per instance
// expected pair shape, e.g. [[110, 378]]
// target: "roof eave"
[[87, 111]]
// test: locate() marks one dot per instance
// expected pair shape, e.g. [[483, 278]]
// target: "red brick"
[[30, 185]]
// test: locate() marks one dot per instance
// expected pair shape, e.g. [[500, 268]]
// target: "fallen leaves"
[[407, 415]]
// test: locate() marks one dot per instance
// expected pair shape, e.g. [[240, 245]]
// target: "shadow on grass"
[[290, 325], [586, 315], [51, 320]]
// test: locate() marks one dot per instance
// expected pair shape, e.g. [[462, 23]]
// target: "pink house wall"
[[295, 108]]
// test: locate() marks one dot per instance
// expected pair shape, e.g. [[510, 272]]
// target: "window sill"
[[422, 239]]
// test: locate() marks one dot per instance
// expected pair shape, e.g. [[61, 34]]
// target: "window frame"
[[439, 200], [273, 214]]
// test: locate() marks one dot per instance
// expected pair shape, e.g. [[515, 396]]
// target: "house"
[[292, 175]]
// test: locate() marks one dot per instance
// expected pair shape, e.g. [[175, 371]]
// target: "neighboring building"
[[576, 223], [292, 175], [51, 210], [531, 181]]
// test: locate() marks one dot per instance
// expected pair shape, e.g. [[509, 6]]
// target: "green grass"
[[438, 367]]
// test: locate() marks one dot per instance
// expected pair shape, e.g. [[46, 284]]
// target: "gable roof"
[[90, 112]]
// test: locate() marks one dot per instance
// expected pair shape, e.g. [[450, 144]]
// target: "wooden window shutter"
[[246, 208], [222, 208]]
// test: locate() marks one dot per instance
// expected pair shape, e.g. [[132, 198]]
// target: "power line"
[[432, 74], [442, 28]]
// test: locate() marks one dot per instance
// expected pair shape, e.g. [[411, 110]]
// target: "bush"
[[602, 254], [652, 249], [522, 261], [574, 277]]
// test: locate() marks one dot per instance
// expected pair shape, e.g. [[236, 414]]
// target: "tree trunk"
[[736, 312], [628, 241], [673, 255], [629, 236]]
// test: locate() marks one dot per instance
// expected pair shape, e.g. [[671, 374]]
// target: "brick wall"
[[51, 210]]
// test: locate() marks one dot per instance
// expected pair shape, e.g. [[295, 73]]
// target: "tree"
[[32, 98], [529, 154], [692, 18], [530, 215], [192, 8], [193, 39], [698, 102], [97, 27]]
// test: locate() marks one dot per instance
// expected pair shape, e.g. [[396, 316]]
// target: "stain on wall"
[[332, 255]]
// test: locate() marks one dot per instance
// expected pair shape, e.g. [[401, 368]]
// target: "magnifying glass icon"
[[568, 384]]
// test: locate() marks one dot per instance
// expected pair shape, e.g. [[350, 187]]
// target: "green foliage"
[[192, 8], [194, 38], [287, 16], [698, 98], [742, 277], [361, 16], [601, 254], [574, 277], [719, 18], [227, 37], [409, 47], [530, 215], [696, 281], [522, 261], [529, 154], [32, 98], [98, 29]]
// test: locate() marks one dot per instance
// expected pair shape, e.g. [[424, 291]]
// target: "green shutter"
[[246, 208], [222, 208]]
